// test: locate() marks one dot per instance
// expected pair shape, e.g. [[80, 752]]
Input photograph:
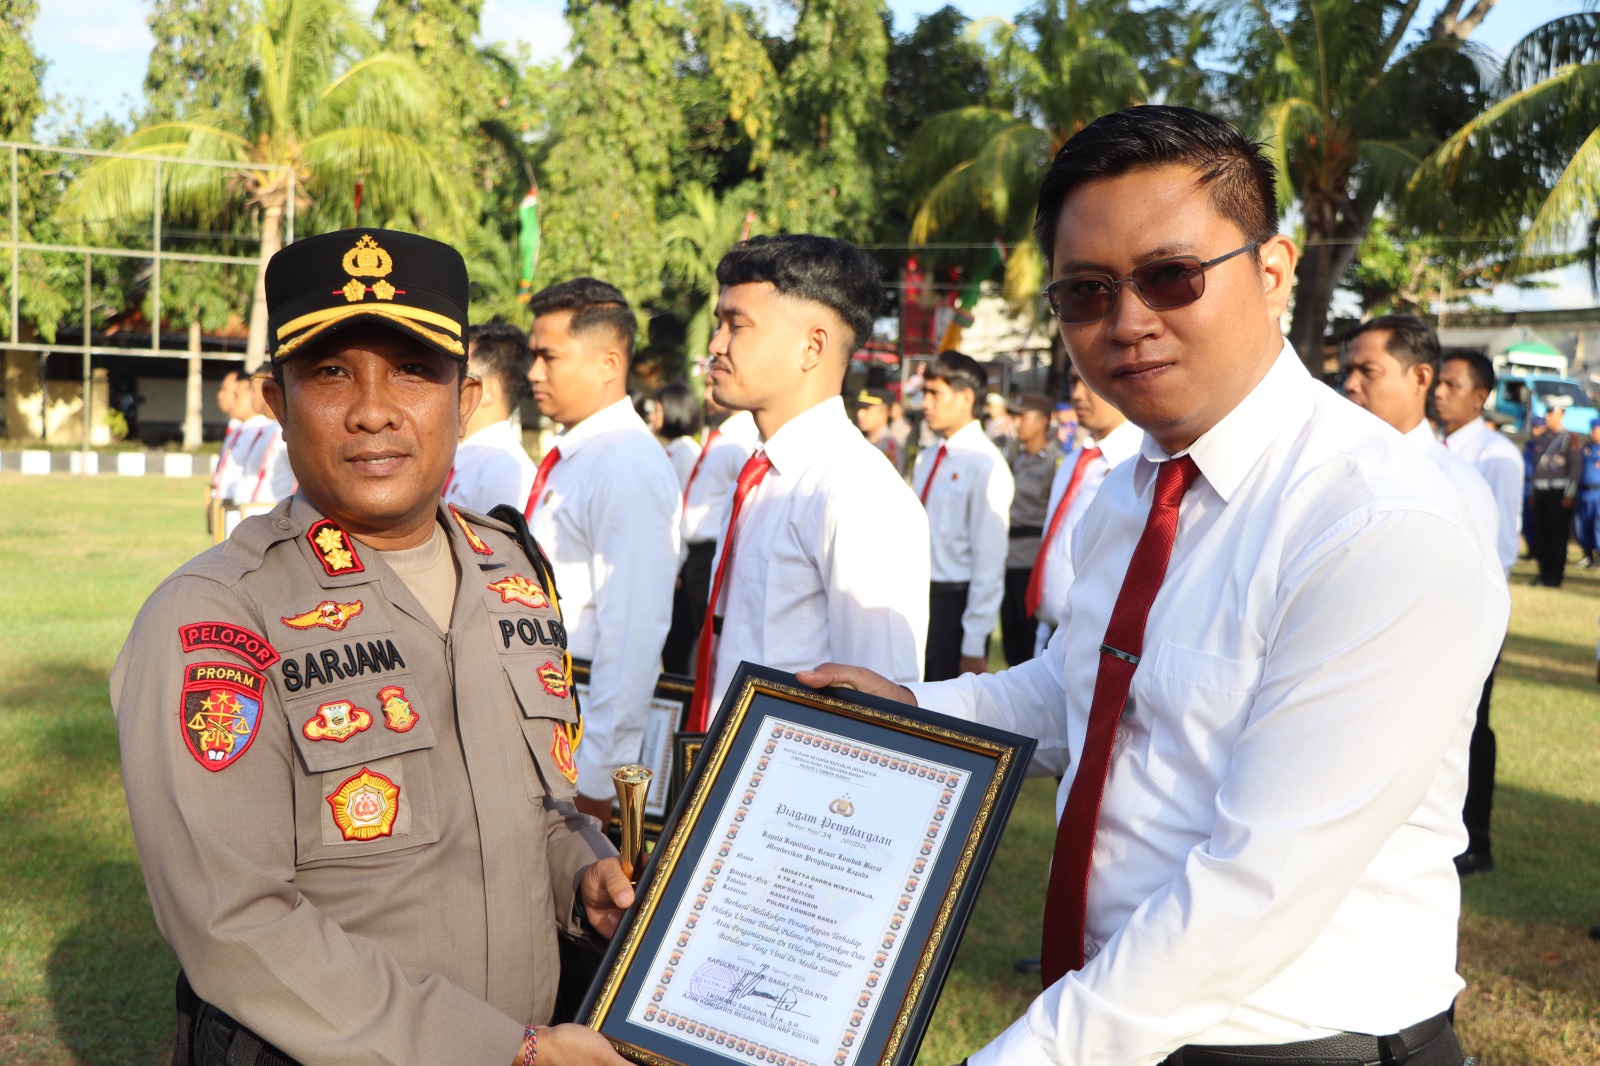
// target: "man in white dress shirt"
[[827, 555], [604, 505], [492, 467], [1267, 662], [1466, 381], [233, 401], [966, 486], [1111, 441], [727, 446]]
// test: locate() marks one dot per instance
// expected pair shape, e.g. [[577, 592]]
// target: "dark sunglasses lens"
[[1171, 282], [1081, 299]]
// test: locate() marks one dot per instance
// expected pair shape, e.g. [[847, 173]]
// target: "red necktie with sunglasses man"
[[1269, 660]]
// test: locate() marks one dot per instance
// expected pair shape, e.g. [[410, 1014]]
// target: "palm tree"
[[1530, 162], [696, 239], [1348, 110], [1061, 65], [320, 101]]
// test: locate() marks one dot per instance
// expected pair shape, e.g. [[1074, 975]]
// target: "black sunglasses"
[[1162, 285]]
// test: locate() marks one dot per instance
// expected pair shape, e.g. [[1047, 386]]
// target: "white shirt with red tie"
[[831, 558], [1118, 446], [1273, 861], [608, 516], [969, 520], [706, 502], [241, 466]]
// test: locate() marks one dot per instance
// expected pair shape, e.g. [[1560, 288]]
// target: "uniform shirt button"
[[282, 523]]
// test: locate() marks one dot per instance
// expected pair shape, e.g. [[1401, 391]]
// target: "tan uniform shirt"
[[356, 829]]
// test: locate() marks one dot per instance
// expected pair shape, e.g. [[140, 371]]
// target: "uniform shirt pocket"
[[1195, 704]]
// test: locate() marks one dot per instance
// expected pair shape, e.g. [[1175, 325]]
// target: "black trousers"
[[1346, 1049], [947, 602], [689, 608], [1480, 771], [1552, 528], [1017, 627]]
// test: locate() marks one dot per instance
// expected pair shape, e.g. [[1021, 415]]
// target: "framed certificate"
[[807, 896], [669, 708]]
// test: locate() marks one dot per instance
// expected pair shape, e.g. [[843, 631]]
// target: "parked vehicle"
[[1521, 400]]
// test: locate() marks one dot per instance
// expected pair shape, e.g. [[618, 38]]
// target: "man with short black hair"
[[605, 506], [967, 488], [825, 549], [1264, 678], [492, 467]]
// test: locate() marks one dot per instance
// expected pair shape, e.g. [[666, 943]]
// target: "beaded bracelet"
[[530, 1044]]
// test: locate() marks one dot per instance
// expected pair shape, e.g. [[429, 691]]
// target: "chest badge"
[[518, 589], [221, 707], [365, 806], [554, 680], [471, 534], [333, 548], [397, 712], [339, 720], [328, 614], [561, 752]]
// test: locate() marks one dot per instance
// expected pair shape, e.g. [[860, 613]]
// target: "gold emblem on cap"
[[367, 260]]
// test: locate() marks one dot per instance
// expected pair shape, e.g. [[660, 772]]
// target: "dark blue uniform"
[[1586, 515]]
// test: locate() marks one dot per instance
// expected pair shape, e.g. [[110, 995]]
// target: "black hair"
[[500, 350], [1411, 341], [1478, 365], [823, 270], [959, 371], [594, 304], [680, 411], [1241, 179]]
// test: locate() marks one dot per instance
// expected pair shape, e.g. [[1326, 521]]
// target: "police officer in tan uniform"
[[347, 731]]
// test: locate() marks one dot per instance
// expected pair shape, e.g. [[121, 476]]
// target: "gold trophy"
[[633, 783]]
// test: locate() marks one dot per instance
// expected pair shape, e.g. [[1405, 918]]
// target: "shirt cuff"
[[975, 646], [943, 697]]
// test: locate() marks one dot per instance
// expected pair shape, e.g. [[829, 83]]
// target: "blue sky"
[[96, 51]]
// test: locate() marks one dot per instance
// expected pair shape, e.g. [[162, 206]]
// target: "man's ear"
[[471, 396], [1278, 256], [1422, 374], [814, 349]]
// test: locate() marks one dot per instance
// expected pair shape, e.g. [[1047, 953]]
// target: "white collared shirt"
[[1273, 859], [831, 560], [1120, 445], [243, 462], [264, 475], [705, 514], [280, 482], [608, 519], [969, 520], [492, 467], [1467, 481], [1500, 464], [227, 468], [682, 453]]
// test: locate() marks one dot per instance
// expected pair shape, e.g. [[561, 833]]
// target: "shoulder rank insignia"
[[518, 589], [397, 712], [554, 680], [339, 720], [365, 806], [327, 614], [249, 646], [471, 534], [561, 752], [333, 548], [220, 710]]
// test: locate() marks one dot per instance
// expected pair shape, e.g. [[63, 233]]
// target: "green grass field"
[[85, 978]]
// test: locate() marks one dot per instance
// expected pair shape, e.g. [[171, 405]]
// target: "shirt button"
[[282, 523]]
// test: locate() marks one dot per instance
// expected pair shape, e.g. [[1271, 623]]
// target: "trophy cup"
[[633, 782]]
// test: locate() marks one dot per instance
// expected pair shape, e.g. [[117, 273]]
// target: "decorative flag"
[[528, 215], [964, 317]]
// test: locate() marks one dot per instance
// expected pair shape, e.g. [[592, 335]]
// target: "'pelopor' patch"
[[365, 806], [252, 647], [220, 710]]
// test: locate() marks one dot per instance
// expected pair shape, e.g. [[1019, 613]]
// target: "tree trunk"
[[1323, 261], [255, 351], [192, 430], [1449, 22]]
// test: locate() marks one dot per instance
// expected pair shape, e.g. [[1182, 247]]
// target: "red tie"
[[1064, 908], [938, 457], [754, 470], [551, 458], [1036, 579], [711, 438]]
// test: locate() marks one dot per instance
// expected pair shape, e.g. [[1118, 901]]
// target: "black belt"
[[948, 588], [1341, 1049], [1027, 531]]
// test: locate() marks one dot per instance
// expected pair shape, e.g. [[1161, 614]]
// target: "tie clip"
[[1107, 649]]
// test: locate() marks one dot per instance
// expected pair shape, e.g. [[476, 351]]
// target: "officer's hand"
[[561, 1045], [974, 664], [1566, 501], [606, 894], [830, 675]]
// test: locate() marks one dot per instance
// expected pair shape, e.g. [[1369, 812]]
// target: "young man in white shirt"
[[492, 467], [825, 551], [966, 486], [731, 438], [1466, 381], [231, 401], [1267, 663], [604, 506], [1111, 441]]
